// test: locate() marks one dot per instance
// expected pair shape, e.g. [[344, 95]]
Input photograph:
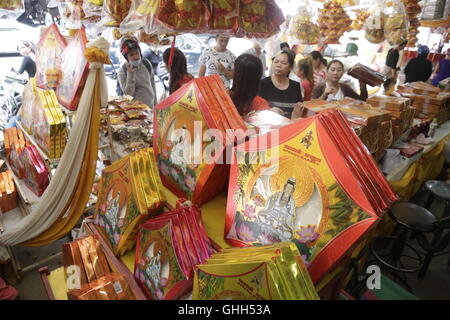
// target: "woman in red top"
[[306, 74], [178, 70], [248, 71]]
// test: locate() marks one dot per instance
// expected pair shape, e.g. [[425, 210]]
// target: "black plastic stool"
[[438, 189], [390, 251]]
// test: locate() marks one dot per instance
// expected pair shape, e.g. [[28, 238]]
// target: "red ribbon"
[[172, 50]]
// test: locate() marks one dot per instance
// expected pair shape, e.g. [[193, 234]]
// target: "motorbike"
[[11, 89], [35, 11]]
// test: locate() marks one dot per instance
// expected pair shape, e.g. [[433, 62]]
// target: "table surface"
[[440, 133], [213, 217]]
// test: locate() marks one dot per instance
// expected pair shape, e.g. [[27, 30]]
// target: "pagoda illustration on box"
[[318, 187], [48, 58], [74, 71], [128, 194], [181, 138]]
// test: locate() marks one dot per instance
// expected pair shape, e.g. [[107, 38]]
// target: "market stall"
[[181, 205]]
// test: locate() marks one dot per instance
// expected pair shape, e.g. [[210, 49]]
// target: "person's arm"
[[408, 67], [127, 79], [23, 66], [202, 70], [153, 85], [318, 91], [429, 70], [349, 92]]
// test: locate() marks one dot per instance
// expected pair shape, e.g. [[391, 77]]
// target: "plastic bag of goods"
[[11, 9], [260, 19], [93, 9], [303, 28], [374, 24], [114, 12], [396, 24], [224, 15], [333, 22], [142, 15], [434, 10], [361, 16], [183, 15]]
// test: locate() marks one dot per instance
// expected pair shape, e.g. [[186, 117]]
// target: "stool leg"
[[430, 254], [429, 202]]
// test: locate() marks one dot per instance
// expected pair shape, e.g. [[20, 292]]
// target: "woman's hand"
[[220, 67], [298, 110], [130, 68], [327, 92]]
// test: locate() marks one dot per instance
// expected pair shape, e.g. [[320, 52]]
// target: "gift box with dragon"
[[315, 185]]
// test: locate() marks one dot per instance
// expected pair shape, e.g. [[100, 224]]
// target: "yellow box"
[[44, 129]]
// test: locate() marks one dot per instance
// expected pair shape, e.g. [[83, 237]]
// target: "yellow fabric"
[[58, 283], [426, 168], [62, 226], [128, 259]]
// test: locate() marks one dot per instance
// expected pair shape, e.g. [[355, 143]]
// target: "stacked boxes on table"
[[88, 274], [374, 127], [401, 112], [427, 99]]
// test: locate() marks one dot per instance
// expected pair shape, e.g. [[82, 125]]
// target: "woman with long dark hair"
[[320, 67], [248, 71], [28, 50], [334, 90], [306, 74], [178, 70]]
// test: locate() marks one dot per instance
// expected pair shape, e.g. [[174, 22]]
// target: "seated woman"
[[178, 71], [248, 71], [306, 74], [282, 93], [333, 90]]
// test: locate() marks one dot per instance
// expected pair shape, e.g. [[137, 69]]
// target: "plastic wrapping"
[[374, 24], [396, 24], [361, 16], [303, 27], [72, 13], [12, 9], [224, 15], [93, 8], [142, 14], [74, 70], [114, 12], [36, 174], [184, 15], [333, 21], [434, 10], [260, 19]]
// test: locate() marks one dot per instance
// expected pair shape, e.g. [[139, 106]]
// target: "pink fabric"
[[7, 292]]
